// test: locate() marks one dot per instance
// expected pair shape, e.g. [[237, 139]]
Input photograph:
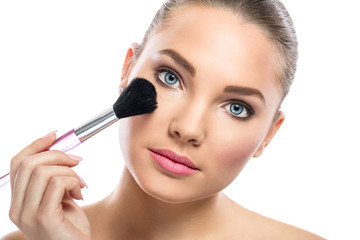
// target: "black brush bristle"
[[137, 98]]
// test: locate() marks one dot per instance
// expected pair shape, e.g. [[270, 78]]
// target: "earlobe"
[[260, 150], [272, 131]]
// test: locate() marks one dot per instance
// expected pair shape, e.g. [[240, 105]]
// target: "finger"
[[25, 171], [38, 183], [55, 192], [37, 146], [27, 165]]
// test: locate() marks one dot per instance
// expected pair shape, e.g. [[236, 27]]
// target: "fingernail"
[[75, 158], [49, 135], [82, 180]]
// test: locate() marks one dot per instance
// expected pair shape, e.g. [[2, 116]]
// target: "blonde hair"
[[270, 16]]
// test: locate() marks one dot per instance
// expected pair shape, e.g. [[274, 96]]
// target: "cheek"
[[232, 154], [125, 137], [131, 135]]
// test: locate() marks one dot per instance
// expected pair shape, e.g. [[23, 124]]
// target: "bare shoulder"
[[280, 230], [256, 226], [14, 236]]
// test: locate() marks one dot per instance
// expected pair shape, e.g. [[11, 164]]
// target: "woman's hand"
[[43, 188]]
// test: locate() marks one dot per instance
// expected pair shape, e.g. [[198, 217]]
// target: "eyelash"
[[168, 70], [240, 102], [250, 110]]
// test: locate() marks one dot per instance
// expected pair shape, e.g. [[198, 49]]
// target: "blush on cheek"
[[129, 133], [235, 156]]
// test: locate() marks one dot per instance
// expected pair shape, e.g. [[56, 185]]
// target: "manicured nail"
[[49, 135], [75, 158], [82, 180]]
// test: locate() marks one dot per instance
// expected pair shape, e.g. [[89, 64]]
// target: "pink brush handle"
[[4, 179], [64, 143], [74, 137]]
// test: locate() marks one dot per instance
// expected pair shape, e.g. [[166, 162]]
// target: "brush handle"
[[76, 136], [96, 124], [4, 179], [64, 143]]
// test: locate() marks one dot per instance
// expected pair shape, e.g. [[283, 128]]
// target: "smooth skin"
[[194, 120], [43, 188]]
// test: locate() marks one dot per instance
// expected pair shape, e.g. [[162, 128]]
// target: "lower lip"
[[171, 166]]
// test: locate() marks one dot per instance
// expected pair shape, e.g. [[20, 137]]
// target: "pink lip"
[[172, 162]]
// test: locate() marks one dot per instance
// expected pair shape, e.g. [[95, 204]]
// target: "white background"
[[60, 64]]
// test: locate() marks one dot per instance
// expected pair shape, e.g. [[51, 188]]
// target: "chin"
[[172, 190]]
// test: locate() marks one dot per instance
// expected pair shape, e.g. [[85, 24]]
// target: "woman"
[[221, 70]]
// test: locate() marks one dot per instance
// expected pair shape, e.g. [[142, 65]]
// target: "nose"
[[188, 125]]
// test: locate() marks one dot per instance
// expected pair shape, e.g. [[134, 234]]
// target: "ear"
[[128, 64], [272, 131]]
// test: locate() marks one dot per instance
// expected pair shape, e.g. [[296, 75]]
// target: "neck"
[[143, 215]]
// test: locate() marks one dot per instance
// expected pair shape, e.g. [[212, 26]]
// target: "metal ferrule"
[[95, 125]]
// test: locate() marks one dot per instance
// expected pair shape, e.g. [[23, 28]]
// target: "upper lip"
[[175, 157]]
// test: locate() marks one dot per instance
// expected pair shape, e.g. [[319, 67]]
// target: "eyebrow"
[[245, 91], [179, 60]]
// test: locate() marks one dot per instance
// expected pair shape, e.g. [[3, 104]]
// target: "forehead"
[[219, 44]]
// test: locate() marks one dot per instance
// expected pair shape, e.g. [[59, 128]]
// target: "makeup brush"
[[137, 98]]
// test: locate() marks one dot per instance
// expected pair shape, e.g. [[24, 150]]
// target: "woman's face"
[[218, 92]]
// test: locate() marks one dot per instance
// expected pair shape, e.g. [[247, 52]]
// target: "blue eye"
[[168, 77], [238, 110]]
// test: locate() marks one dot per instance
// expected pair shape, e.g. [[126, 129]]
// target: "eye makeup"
[[180, 60], [239, 106], [236, 107], [167, 77], [245, 91]]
